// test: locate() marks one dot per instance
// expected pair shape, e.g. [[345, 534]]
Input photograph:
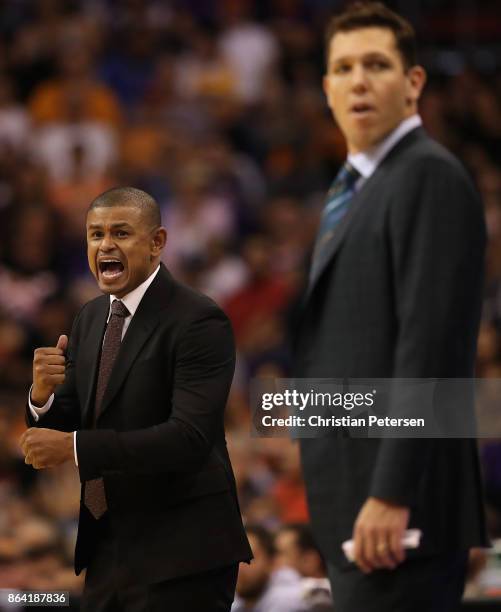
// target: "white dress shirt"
[[366, 162], [131, 301]]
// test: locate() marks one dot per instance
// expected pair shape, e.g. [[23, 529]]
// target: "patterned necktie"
[[338, 200], [94, 496]]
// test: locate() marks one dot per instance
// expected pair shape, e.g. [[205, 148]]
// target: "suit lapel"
[[357, 202], [144, 322], [92, 352]]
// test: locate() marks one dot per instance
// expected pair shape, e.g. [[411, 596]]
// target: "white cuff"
[[38, 411], [75, 447]]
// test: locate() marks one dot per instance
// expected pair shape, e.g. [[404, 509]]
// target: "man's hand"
[[378, 533], [45, 448], [48, 371]]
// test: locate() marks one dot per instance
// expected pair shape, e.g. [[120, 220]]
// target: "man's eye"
[[122, 233], [341, 68], [96, 235], [378, 65]]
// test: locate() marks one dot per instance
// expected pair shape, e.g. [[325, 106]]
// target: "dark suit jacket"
[[400, 297], [159, 442]]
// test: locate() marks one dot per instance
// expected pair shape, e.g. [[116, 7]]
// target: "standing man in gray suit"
[[394, 292]]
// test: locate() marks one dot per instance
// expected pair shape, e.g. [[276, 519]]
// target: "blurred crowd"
[[216, 109]]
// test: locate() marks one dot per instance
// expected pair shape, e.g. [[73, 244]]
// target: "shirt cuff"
[[75, 447], [38, 411]]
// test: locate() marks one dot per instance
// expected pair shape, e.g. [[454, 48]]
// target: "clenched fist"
[[45, 448], [48, 371]]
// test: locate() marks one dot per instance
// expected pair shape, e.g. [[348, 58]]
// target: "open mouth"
[[361, 109], [110, 269]]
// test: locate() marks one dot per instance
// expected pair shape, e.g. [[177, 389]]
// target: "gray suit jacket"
[[399, 297]]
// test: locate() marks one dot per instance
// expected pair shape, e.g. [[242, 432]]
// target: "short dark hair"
[[305, 539], [264, 537], [304, 535], [369, 14], [130, 196]]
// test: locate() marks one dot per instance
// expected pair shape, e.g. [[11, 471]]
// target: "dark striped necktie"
[[338, 200], [94, 495]]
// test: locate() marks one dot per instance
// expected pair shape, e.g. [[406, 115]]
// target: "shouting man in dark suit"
[[141, 388], [394, 292]]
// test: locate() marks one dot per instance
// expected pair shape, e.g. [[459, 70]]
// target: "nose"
[[359, 79], [107, 243]]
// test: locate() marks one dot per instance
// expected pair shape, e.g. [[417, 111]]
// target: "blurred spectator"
[[26, 273], [55, 146], [263, 296], [74, 92], [296, 548], [165, 105], [14, 371], [55, 318], [224, 274], [128, 69], [70, 195], [250, 48], [290, 232], [195, 216], [14, 120], [260, 588], [288, 491], [203, 72], [33, 552], [253, 476]]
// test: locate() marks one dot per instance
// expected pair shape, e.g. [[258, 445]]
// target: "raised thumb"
[[62, 343]]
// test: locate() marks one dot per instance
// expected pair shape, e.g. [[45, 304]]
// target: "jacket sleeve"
[[437, 237], [205, 361], [64, 414]]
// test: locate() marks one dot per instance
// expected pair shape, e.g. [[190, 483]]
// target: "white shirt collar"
[[133, 299], [366, 162]]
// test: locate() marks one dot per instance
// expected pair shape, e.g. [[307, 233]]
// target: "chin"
[[109, 290]]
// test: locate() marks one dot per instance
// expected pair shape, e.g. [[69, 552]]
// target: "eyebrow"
[[113, 226], [367, 56]]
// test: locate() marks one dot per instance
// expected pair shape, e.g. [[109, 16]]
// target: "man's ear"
[[325, 86], [416, 79], [159, 239]]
